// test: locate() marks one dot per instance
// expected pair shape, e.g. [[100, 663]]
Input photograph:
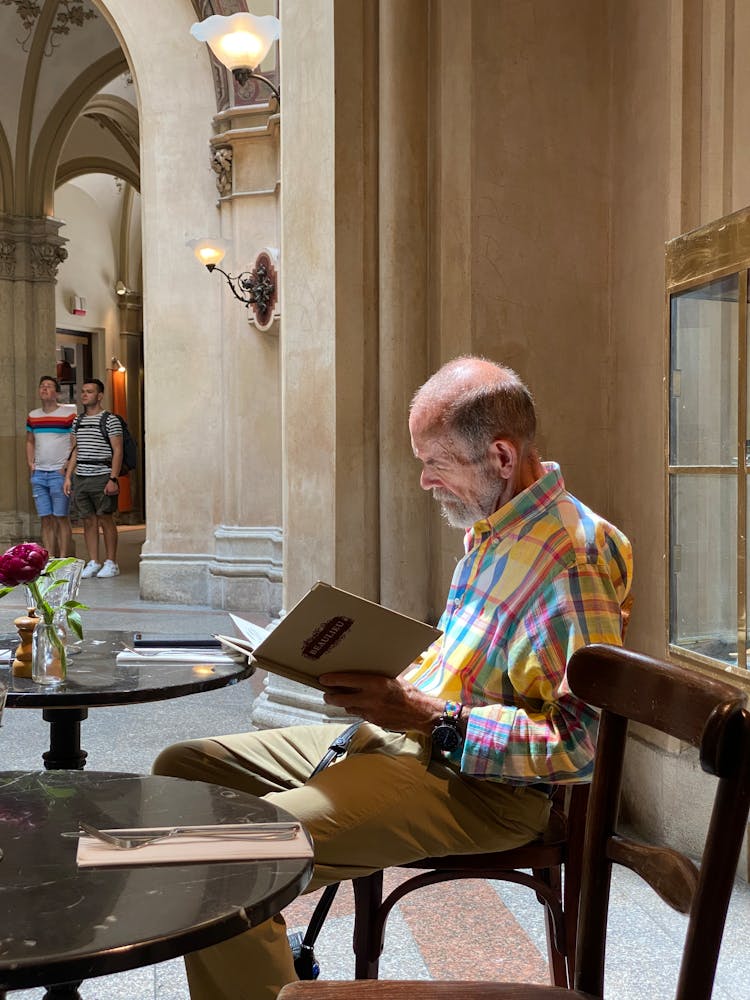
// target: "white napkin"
[[184, 849], [176, 656], [7, 655]]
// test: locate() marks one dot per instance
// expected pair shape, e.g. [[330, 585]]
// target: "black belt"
[[545, 789]]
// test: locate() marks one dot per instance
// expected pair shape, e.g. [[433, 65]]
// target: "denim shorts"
[[47, 490]]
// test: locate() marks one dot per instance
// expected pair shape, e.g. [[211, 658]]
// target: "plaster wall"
[[90, 270], [679, 159], [520, 189]]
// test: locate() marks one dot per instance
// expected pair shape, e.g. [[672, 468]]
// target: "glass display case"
[[708, 442]]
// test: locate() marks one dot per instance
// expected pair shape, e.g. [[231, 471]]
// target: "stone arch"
[[58, 125], [25, 116], [96, 165], [6, 174], [120, 119]]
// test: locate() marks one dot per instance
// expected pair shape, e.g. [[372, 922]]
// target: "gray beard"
[[459, 514]]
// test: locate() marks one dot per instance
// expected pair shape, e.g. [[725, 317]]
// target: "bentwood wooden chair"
[[706, 713], [550, 866]]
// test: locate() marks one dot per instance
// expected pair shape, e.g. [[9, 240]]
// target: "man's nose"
[[428, 480]]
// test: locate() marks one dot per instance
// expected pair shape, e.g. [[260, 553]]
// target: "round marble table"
[[60, 924], [95, 678]]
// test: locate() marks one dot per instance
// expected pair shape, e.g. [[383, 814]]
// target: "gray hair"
[[479, 401]]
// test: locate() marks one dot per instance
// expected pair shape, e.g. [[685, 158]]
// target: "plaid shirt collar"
[[533, 499]]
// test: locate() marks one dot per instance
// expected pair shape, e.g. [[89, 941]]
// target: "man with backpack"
[[94, 465]]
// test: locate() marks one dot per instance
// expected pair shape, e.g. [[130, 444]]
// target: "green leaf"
[[54, 564], [5, 590], [75, 604], [74, 621]]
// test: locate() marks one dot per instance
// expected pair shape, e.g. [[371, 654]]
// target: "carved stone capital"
[[31, 249], [7, 258], [221, 164], [46, 258]]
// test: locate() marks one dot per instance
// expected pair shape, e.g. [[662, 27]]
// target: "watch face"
[[446, 737]]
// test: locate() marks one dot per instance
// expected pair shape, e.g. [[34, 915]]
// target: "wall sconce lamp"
[[121, 288], [256, 289], [240, 42], [117, 365]]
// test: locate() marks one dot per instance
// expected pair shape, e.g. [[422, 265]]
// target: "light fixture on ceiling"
[[256, 289], [240, 42]]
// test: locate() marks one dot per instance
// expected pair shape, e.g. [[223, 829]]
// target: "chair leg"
[[558, 965], [368, 894]]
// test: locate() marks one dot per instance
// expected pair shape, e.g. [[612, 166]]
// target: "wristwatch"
[[446, 735], [113, 479]]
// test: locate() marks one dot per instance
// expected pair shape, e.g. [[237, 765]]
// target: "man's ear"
[[504, 456]]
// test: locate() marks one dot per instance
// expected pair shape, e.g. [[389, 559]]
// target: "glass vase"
[[48, 658]]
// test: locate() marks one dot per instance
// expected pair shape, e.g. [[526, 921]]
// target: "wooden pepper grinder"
[[22, 663]]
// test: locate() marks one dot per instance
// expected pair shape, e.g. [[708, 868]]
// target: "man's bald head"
[[477, 402]]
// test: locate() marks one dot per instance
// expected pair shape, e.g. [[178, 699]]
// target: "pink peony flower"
[[22, 563]]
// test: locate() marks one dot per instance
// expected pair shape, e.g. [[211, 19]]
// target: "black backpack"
[[129, 446]]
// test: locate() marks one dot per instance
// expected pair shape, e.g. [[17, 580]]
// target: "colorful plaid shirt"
[[541, 577]]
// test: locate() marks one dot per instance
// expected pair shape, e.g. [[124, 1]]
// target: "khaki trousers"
[[386, 803]]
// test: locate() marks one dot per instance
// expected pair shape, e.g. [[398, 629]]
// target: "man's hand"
[[390, 703], [67, 485]]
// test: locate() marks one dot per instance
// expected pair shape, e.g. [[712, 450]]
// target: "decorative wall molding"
[[245, 571], [263, 280], [286, 703], [69, 14]]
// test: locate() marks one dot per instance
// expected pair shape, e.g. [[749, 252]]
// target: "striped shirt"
[[51, 436], [93, 453], [541, 577]]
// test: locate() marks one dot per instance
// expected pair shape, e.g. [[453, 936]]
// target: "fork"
[[244, 831]]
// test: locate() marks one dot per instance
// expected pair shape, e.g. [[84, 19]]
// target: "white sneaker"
[[108, 569], [91, 568]]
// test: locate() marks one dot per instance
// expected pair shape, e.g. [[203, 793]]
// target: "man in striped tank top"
[[92, 479]]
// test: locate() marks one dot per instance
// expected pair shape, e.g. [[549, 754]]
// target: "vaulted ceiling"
[[67, 103]]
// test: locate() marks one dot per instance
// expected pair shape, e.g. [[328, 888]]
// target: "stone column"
[[30, 253], [329, 303], [403, 302], [130, 352], [246, 569]]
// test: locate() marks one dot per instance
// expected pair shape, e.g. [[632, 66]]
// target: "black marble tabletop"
[[96, 678], [61, 924]]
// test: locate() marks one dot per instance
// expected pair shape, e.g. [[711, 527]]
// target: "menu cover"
[[331, 630]]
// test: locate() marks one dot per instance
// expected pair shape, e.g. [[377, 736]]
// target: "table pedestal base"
[[63, 991], [65, 753]]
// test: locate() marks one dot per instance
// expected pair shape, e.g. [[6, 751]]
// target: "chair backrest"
[[706, 713]]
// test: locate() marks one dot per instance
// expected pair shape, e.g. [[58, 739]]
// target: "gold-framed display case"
[[708, 444]]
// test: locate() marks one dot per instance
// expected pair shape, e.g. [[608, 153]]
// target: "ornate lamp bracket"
[[258, 288]]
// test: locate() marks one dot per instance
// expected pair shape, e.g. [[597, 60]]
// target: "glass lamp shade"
[[239, 41], [209, 251]]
